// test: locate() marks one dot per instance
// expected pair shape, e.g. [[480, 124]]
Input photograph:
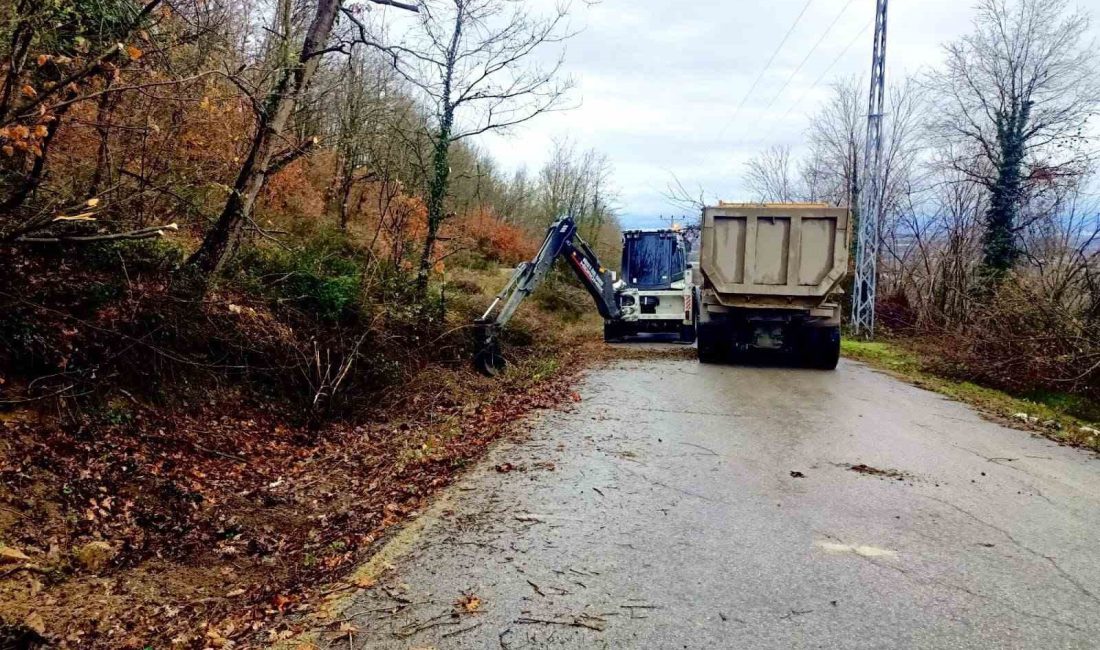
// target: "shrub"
[[319, 279], [141, 255], [494, 240], [1024, 339]]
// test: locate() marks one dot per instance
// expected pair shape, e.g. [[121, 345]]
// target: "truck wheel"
[[823, 348], [687, 333], [612, 333], [708, 349]]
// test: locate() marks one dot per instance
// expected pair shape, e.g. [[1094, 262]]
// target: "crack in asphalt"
[[960, 588], [1054, 563]]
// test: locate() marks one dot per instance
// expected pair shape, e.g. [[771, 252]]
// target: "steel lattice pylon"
[[863, 298]]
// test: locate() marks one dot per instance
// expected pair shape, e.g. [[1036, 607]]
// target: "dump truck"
[[770, 278], [654, 289]]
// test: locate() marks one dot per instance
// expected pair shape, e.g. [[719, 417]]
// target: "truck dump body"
[[770, 273], [758, 252]]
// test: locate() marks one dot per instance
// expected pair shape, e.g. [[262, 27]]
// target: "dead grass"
[[1056, 416]]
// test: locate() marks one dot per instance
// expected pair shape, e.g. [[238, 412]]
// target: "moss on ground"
[[1059, 416]]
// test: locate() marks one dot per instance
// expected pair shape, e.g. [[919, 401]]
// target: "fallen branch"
[[141, 233], [591, 623], [413, 629], [463, 630], [25, 567]]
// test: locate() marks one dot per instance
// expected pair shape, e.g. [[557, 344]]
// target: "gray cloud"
[[659, 83]]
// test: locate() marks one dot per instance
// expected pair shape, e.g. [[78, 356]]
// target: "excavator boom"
[[562, 240]]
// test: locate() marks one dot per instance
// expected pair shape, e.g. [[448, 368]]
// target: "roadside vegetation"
[[1064, 417], [990, 258], [242, 244]]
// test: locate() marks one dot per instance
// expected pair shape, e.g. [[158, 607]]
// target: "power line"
[[767, 66], [809, 54], [821, 78]]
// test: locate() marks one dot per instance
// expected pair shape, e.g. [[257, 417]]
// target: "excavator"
[[562, 240], [654, 294]]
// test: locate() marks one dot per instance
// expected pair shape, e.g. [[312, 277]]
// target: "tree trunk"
[[21, 39], [32, 179], [999, 240], [441, 169], [224, 238], [437, 194], [102, 173], [347, 182]]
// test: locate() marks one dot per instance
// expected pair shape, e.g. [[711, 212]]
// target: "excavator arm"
[[562, 240]]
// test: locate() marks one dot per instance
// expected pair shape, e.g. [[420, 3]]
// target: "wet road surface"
[[679, 505]]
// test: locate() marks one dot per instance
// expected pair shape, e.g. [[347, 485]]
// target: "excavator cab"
[[655, 292], [652, 259]]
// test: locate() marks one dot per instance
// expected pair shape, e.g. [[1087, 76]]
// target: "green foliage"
[[72, 26], [561, 296], [1075, 405], [879, 353], [135, 256], [321, 277], [117, 412]]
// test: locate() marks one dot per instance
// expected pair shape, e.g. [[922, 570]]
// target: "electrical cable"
[[816, 83], [767, 66], [809, 54]]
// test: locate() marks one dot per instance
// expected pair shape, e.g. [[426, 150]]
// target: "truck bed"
[[797, 250]]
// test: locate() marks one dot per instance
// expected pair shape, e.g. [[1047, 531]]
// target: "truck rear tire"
[[612, 333], [822, 347], [709, 348]]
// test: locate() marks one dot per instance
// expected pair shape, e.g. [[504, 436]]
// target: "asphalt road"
[[687, 506]]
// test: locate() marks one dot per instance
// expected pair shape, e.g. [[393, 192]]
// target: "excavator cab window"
[[652, 260]]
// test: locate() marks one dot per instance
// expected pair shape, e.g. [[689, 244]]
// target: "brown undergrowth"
[[166, 480], [221, 520]]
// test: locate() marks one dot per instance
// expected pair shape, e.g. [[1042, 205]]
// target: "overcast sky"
[[659, 83]]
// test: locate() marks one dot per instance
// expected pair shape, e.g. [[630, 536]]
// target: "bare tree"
[[1020, 88], [836, 135], [577, 185], [771, 176], [473, 63], [359, 106]]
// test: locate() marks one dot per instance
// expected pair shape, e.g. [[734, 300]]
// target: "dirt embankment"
[[212, 526]]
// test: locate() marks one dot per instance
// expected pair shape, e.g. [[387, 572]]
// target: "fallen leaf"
[[11, 555], [469, 602], [34, 622], [29, 91]]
